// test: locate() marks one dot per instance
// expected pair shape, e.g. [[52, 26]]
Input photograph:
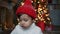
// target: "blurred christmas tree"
[[42, 11]]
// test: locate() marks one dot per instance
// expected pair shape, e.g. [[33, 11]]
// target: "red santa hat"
[[28, 9]]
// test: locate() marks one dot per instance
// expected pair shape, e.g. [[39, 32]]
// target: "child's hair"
[[18, 16]]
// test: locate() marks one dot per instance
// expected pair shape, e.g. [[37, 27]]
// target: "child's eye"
[[25, 20]]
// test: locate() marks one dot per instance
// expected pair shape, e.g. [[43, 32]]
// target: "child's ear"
[[18, 19]]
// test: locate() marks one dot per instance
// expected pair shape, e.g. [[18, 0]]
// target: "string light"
[[40, 5], [32, 1], [42, 9], [22, 3], [46, 14], [45, 11], [48, 18], [38, 2]]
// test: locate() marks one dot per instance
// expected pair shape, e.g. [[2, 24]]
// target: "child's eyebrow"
[[24, 18]]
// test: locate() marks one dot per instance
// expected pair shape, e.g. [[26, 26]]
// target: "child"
[[26, 15]]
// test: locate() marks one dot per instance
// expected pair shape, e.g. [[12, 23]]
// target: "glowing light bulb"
[[48, 18], [36, 18], [46, 14], [45, 11], [38, 2], [22, 3]]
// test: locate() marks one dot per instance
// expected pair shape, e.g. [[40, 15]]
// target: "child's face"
[[25, 21]]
